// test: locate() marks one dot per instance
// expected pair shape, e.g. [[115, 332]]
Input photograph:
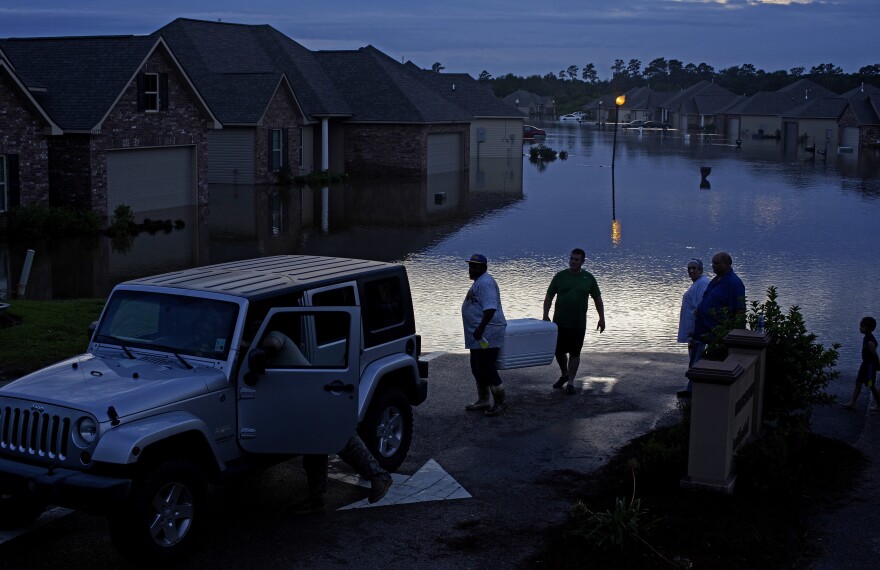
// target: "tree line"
[[574, 86]]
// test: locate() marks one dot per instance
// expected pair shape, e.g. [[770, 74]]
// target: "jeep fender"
[[377, 370], [117, 445]]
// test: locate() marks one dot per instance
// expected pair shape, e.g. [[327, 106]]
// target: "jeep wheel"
[[163, 514], [387, 428], [17, 511]]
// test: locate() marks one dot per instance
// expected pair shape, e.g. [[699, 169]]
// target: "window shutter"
[[12, 178], [141, 105], [285, 160], [269, 149], [163, 91]]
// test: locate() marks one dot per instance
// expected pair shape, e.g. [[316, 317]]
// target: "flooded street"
[[806, 227]]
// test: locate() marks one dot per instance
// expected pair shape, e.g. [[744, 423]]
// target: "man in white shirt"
[[687, 319], [484, 328]]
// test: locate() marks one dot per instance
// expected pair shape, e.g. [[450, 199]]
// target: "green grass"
[[48, 331]]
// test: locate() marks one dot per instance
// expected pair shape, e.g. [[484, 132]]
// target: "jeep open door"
[[298, 385]]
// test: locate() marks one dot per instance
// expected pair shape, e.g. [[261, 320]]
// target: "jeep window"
[[335, 327], [290, 341], [160, 321], [384, 304]]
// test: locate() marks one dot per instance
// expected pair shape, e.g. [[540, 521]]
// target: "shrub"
[[32, 222], [798, 369], [122, 223]]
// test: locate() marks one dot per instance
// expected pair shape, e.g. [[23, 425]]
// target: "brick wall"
[[21, 133], [282, 113], [183, 123], [400, 150]]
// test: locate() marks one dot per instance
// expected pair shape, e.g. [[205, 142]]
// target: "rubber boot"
[[500, 404], [482, 402]]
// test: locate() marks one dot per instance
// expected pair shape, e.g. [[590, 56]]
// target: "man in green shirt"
[[572, 288]]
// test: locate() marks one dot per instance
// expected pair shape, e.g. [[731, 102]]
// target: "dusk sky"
[[511, 36]]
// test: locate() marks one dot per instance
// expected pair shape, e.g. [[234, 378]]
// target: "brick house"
[[122, 124]]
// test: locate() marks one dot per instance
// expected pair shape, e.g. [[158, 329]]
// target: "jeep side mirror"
[[257, 365], [93, 326]]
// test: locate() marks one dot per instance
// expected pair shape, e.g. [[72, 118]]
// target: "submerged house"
[[101, 121], [150, 121]]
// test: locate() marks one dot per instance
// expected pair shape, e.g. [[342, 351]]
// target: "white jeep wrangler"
[[175, 391]]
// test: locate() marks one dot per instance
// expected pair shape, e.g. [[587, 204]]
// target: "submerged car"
[[530, 132]]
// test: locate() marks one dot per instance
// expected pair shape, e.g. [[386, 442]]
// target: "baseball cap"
[[478, 258]]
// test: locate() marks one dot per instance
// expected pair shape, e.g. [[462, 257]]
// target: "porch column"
[[325, 144]]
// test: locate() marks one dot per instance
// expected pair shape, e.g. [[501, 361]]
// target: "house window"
[[275, 150], [3, 184], [151, 92]]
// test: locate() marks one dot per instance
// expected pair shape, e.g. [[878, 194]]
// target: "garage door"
[[850, 137], [444, 153], [151, 179]]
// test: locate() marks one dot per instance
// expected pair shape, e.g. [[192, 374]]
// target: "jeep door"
[[298, 386]]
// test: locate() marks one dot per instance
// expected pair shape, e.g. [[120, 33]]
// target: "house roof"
[[867, 111], [475, 98], [237, 68], [684, 99], [861, 92], [808, 89], [76, 80], [825, 108], [526, 97], [380, 89], [7, 71]]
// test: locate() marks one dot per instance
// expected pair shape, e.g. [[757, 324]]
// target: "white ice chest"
[[527, 342]]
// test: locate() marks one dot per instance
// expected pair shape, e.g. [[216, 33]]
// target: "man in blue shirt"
[[725, 291]]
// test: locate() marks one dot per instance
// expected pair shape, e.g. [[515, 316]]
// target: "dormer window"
[[152, 92]]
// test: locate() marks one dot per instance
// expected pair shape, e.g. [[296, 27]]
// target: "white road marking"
[[430, 483]]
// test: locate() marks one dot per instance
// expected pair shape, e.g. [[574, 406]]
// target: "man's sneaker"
[[496, 410], [570, 389], [477, 406], [310, 506], [378, 487], [560, 383]]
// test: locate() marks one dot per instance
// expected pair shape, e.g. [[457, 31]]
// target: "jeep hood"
[[93, 383]]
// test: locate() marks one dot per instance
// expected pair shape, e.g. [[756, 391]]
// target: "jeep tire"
[[163, 515], [387, 428]]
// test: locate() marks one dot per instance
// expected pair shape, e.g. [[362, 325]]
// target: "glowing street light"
[[621, 99]]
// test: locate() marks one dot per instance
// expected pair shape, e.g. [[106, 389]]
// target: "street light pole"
[[621, 99]]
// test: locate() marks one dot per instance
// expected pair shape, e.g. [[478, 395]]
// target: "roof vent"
[[453, 86]]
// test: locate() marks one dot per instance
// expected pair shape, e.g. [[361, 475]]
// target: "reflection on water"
[[803, 225]]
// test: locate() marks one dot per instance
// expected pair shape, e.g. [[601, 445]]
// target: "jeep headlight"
[[86, 432]]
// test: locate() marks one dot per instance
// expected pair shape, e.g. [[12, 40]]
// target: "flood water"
[[807, 227]]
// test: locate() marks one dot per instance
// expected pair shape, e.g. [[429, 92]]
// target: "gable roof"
[[526, 97], [808, 88], [867, 111], [825, 108], [238, 68], [78, 80], [7, 71], [380, 89]]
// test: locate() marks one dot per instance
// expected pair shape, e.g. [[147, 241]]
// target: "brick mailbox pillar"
[[726, 409]]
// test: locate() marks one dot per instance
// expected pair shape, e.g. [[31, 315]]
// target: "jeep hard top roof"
[[267, 276]]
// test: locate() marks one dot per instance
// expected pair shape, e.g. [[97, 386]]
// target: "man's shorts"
[[867, 375], [570, 341]]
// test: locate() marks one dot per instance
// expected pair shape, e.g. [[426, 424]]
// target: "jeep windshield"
[[179, 324]]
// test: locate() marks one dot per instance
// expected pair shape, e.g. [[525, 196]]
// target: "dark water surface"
[[807, 227]]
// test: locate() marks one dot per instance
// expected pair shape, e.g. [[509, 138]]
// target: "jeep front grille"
[[33, 433]]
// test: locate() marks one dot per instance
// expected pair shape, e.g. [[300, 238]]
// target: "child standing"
[[870, 362]]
